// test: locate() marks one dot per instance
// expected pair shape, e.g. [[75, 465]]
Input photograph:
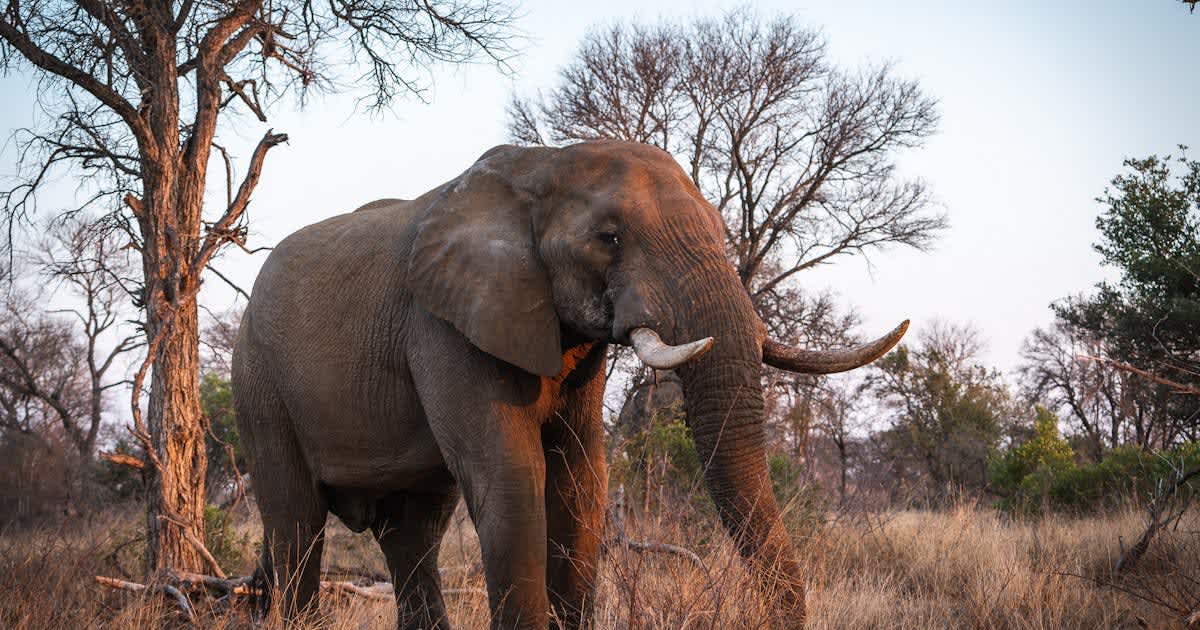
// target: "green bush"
[[222, 541], [666, 451], [222, 443], [800, 502], [1041, 474], [785, 476], [1026, 475], [1128, 474]]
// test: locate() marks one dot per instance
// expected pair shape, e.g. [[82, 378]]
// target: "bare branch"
[[180, 599], [123, 459], [223, 230], [1178, 387], [10, 31]]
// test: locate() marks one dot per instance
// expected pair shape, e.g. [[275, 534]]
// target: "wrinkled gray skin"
[[396, 356]]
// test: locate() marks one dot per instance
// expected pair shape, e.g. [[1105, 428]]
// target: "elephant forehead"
[[645, 195]]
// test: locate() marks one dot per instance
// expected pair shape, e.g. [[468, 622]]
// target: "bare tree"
[[96, 271], [66, 366], [948, 411], [1108, 405], [809, 319], [799, 157], [838, 420], [217, 341], [58, 366], [136, 89], [41, 384]]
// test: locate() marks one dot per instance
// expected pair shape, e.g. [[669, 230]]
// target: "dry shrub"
[[962, 568]]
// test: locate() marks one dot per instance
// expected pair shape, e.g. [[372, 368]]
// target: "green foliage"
[[1026, 474], [1127, 474], [785, 476], [222, 541], [216, 399], [666, 451], [800, 502], [1150, 317], [1046, 449]]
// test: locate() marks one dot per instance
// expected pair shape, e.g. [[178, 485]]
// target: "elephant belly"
[[374, 452]]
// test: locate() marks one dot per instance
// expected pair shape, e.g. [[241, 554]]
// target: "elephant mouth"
[[591, 319]]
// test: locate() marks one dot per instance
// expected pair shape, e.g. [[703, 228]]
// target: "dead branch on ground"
[[185, 605], [621, 539]]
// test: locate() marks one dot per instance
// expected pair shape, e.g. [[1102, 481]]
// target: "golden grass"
[[963, 568]]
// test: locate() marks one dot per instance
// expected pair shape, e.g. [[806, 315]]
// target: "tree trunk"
[[171, 232], [176, 492], [841, 446]]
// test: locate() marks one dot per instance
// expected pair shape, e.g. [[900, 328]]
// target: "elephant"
[[397, 357]]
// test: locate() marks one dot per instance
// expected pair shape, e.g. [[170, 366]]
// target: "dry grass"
[[963, 568]]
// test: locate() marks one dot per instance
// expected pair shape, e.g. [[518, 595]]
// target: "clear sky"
[[1040, 102]]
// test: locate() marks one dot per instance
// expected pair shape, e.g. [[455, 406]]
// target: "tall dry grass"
[[967, 567]]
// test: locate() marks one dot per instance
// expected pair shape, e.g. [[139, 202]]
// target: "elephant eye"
[[609, 238]]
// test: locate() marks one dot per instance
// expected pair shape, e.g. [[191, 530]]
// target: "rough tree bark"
[[177, 432]]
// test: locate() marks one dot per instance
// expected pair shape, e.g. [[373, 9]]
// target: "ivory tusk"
[[651, 349]]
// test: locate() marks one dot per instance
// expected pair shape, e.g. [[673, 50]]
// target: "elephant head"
[[612, 241]]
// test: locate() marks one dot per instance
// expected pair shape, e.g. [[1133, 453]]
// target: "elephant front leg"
[[511, 524], [502, 475], [485, 418], [576, 492]]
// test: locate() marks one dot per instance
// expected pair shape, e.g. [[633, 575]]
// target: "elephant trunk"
[[725, 410]]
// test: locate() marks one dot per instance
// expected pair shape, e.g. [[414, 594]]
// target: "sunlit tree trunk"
[[176, 491]]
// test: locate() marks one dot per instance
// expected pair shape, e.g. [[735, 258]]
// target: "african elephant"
[[395, 356]]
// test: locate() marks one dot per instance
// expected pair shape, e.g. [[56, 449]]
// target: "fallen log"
[[180, 598], [237, 586], [175, 583]]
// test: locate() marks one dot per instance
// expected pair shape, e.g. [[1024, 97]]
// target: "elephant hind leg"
[[409, 526], [289, 500], [291, 559]]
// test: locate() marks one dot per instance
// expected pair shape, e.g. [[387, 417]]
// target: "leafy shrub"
[[801, 502], [226, 546], [665, 451], [1040, 474], [1127, 474], [222, 443], [1026, 474]]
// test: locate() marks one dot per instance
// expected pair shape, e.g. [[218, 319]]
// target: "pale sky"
[[1040, 103]]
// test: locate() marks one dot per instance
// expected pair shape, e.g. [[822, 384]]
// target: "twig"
[[240, 291], [480, 591], [1180, 388], [237, 586], [369, 592], [123, 459], [621, 539], [175, 582], [374, 576], [1156, 522]]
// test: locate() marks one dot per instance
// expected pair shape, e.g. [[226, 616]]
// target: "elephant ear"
[[474, 264]]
